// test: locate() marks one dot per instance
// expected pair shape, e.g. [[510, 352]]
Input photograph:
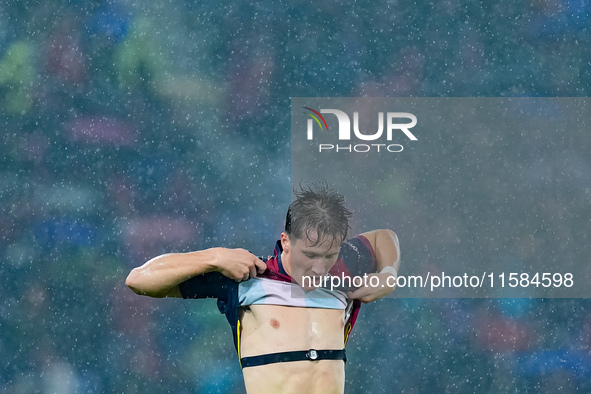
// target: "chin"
[[309, 288], [308, 285]]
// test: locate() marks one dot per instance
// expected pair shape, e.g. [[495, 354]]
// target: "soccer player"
[[290, 329]]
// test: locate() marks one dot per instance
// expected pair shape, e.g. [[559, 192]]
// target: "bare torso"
[[273, 328]]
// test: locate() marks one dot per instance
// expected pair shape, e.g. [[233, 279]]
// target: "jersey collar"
[[275, 269], [278, 250]]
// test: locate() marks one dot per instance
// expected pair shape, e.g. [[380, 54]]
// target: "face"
[[301, 258]]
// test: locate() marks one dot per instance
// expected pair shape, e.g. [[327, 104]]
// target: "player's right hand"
[[238, 264]]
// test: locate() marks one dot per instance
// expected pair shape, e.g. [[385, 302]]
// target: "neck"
[[286, 261]]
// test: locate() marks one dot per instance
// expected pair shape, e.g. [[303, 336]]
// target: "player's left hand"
[[368, 293]]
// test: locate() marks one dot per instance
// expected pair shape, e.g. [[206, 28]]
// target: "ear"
[[285, 242]]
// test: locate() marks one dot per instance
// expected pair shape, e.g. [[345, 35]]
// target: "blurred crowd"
[[130, 130]]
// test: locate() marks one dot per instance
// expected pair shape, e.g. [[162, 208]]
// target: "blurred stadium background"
[[131, 129]]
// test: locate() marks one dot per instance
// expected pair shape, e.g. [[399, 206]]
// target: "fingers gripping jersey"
[[275, 287]]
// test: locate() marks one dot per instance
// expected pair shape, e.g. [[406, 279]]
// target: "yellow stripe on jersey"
[[238, 332]]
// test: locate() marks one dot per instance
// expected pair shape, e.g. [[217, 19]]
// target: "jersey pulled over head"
[[317, 223]]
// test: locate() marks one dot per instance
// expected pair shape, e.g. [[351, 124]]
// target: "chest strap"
[[299, 355]]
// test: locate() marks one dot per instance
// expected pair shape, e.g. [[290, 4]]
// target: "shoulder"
[[358, 243], [356, 257]]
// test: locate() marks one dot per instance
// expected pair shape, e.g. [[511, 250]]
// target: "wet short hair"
[[320, 210]]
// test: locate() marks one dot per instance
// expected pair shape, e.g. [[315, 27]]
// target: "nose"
[[319, 269]]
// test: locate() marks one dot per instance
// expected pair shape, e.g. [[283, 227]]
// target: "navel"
[[275, 323]]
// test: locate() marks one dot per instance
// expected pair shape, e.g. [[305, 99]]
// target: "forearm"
[[159, 275]]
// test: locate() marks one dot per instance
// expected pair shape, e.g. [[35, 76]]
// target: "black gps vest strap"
[[300, 355]]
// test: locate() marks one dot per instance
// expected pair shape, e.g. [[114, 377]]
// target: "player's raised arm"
[[386, 247], [387, 251], [161, 276]]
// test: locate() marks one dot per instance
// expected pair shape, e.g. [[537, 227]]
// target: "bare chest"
[[273, 328]]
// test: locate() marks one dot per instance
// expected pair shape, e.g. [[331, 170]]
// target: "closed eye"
[[315, 255]]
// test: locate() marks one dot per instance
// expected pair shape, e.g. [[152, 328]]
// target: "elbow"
[[390, 234], [137, 283], [133, 282], [386, 235], [388, 240]]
